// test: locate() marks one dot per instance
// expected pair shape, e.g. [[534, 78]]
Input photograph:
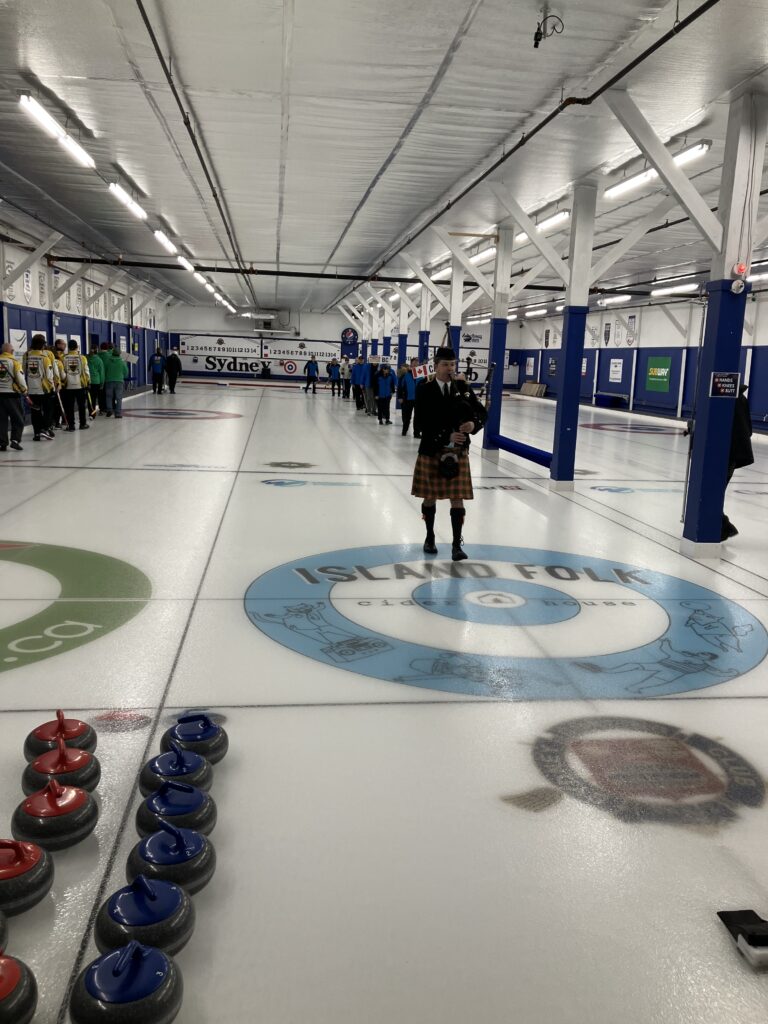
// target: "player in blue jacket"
[[358, 379], [407, 395], [157, 370], [385, 388], [334, 376]]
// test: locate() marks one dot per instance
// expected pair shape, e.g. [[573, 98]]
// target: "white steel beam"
[[461, 257], [426, 281], [388, 310], [530, 275], [45, 246], [580, 246], [634, 123], [632, 237], [456, 292], [502, 274], [71, 279], [406, 300], [154, 293], [739, 187], [469, 300], [680, 328], [113, 278], [539, 241]]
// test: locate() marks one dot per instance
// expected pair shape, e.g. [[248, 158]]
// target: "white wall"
[[187, 318]]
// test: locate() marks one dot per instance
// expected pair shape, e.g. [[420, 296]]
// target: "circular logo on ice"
[[515, 623], [96, 594], [180, 414]]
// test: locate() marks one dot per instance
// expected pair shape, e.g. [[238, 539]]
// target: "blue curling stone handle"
[[175, 798], [127, 975], [144, 902], [171, 846], [183, 762], [193, 728]]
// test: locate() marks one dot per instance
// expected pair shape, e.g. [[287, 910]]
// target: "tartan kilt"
[[429, 485]]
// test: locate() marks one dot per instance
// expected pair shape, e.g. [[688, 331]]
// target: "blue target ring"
[[553, 635]]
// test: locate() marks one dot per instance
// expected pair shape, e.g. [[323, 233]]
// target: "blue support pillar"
[[364, 349], [720, 351], [374, 346], [387, 345], [497, 356], [402, 355], [568, 393], [423, 346], [455, 335]]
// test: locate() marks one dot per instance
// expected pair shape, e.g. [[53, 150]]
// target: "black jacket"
[[741, 446], [439, 417], [173, 364]]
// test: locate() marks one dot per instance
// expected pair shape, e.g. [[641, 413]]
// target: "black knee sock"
[[428, 515], [457, 523]]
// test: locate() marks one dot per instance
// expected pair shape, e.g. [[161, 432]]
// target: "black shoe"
[[389, 423], [16, 446], [404, 433], [430, 548], [84, 426], [417, 435], [3, 447], [107, 414], [36, 437], [381, 423], [457, 553], [729, 530], [118, 415], [48, 435], [70, 430]]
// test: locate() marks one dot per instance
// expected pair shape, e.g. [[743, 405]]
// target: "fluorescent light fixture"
[[483, 255], [394, 297], [49, 124], [512, 316], [546, 225], [685, 156], [486, 320], [413, 288], [613, 300], [675, 289], [217, 297], [77, 152], [199, 277], [210, 287], [185, 263], [757, 277], [166, 243], [536, 312], [119, 192], [559, 309], [441, 275]]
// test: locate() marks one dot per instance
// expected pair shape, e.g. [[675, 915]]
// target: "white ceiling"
[[334, 128]]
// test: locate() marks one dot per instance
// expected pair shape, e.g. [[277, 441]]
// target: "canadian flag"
[[423, 371]]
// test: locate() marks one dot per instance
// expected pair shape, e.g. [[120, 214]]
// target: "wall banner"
[[616, 373], [658, 373]]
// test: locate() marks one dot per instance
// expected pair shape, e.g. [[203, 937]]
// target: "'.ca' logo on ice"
[[509, 623]]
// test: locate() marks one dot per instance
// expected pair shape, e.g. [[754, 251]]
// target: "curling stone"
[[198, 733], [151, 911], [55, 817], [69, 766], [74, 733], [18, 991], [26, 875], [184, 806], [178, 765], [133, 983], [174, 855]]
